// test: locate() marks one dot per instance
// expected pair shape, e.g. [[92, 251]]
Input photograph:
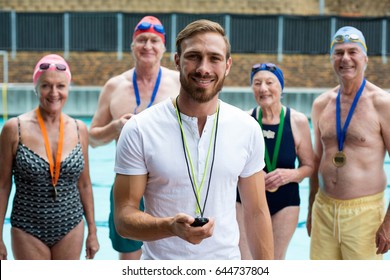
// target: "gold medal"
[[339, 159], [273, 190]]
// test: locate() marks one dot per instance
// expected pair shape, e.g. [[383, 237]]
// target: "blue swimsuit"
[[34, 210]]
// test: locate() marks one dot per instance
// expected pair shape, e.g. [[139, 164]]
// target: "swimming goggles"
[[146, 25], [59, 66], [353, 38], [264, 66], [268, 67]]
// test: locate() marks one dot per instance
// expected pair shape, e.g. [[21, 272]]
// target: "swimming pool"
[[102, 176]]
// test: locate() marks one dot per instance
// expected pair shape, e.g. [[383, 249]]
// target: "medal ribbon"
[[342, 132], [136, 91], [198, 188], [272, 166], [55, 174]]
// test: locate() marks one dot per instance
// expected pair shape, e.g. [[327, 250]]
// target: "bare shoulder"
[[9, 136], [171, 81], [298, 118], [26, 119], [10, 128], [326, 96], [123, 77], [170, 72], [77, 125], [300, 126], [83, 131], [118, 81], [172, 75], [82, 126], [380, 97]]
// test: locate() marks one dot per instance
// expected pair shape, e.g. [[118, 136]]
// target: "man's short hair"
[[201, 26]]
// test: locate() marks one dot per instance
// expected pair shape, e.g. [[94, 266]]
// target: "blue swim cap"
[[268, 67], [349, 34]]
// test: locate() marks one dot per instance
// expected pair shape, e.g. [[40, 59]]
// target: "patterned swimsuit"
[[34, 210]]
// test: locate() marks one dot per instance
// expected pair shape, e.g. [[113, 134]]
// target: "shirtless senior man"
[[347, 218], [129, 93]]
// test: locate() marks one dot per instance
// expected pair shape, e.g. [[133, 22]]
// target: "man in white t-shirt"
[[186, 156]]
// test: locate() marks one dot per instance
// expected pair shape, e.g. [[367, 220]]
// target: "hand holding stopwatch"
[[199, 222]]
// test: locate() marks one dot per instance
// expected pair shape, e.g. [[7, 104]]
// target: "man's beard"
[[201, 95]]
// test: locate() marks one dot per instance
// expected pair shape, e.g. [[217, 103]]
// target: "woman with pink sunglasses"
[[45, 152]]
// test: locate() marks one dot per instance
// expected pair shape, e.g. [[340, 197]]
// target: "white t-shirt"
[[151, 143]]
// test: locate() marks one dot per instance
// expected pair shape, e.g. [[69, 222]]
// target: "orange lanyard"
[[54, 175]]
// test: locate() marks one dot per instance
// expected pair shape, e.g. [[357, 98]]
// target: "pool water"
[[102, 175]]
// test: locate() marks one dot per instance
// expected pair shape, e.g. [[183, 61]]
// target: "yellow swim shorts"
[[345, 229]]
